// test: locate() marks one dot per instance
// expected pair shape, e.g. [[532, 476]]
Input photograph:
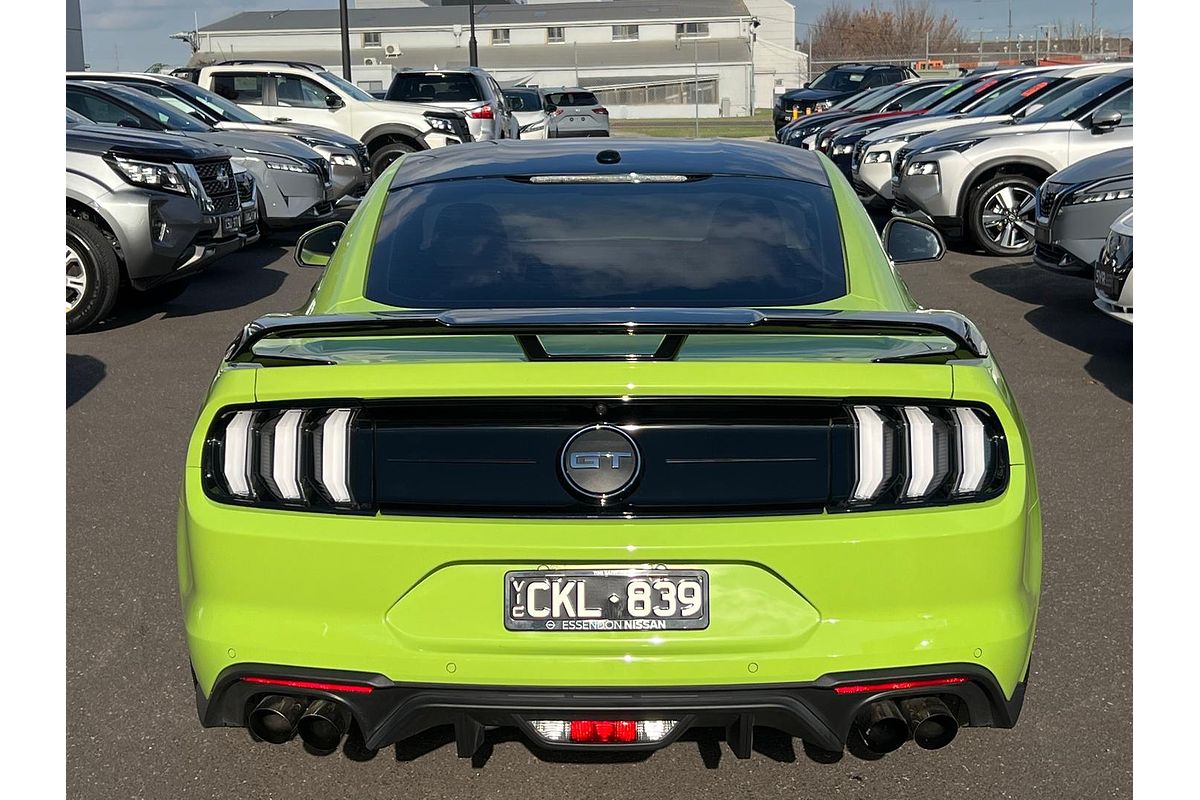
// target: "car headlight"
[[1097, 196], [903, 138], [282, 163], [843, 149], [922, 168], [440, 124], [878, 157], [150, 174], [343, 160], [824, 143], [957, 147], [822, 105]]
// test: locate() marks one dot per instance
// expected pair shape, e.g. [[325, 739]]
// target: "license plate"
[[1106, 282], [249, 215], [606, 600], [230, 224]]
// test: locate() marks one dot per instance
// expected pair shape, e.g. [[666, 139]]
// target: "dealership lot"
[[133, 390]]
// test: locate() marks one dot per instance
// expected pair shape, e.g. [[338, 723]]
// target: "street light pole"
[[474, 44], [344, 15], [696, 90]]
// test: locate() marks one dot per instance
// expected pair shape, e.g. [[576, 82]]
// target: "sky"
[[132, 34]]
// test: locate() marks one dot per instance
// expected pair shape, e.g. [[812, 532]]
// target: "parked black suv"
[[836, 83]]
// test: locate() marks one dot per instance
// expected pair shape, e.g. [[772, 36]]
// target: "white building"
[[643, 58]]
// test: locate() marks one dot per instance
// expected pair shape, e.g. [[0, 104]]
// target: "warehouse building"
[[643, 58]]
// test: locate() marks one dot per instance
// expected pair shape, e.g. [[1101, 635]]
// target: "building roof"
[[491, 16], [563, 57], [646, 156]]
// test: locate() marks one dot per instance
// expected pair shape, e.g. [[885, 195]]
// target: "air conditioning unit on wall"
[[370, 61], [392, 50]]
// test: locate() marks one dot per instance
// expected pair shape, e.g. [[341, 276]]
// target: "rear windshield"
[[511, 243], [434, 87], [569, 99]]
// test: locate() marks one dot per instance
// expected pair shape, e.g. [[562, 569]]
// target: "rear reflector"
[[603, 731], [895, 686], [318, 686]]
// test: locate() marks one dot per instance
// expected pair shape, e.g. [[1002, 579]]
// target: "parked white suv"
[[470, 90], [291, 91]]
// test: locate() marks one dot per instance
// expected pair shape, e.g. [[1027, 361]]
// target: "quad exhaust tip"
[[931, 722], [324, 724], [881, 727], [275, 718]]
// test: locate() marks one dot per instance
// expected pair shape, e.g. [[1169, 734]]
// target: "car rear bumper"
[[577, 134], [386, 712]]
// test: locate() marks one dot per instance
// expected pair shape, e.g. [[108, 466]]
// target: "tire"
[[1000, 215], [93, 275], [382, 158]]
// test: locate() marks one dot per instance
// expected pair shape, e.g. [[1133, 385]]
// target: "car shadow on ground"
[[233, 282], [1065, 313], [84, 373]]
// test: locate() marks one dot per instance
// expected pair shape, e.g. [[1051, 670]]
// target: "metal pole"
[[344, 15], [808, 63], [473, 46], [696, 89], [926, 49]]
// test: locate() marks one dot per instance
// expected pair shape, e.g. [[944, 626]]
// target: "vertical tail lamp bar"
[[972, 451], [920, 452], [285, 458], [332, 456], [236, 454], [872, 456]]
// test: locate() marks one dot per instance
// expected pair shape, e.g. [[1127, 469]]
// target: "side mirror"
[[806, 83], [551, 108], [907, 240], [314, 248], [1104, 121], [333, 101]]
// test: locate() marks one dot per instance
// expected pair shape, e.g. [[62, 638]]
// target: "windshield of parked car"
[[170, 118], [871, 100], [434, 87], [347, 87], [1079, 100], [523, 99], [957, 95], [839, 80], [214, 104], [1008, 97], [523, 243]]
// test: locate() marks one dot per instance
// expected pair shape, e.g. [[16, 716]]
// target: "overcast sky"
[[132, 34]]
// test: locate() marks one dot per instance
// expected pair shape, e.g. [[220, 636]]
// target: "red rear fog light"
[[603, 731]]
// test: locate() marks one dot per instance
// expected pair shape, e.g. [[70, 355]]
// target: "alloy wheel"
[[77, 280], [1008, 217]]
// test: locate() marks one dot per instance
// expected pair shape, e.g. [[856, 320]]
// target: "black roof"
[[578, 157]]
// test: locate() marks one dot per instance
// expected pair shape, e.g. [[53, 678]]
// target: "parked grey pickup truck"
[[142, 209]]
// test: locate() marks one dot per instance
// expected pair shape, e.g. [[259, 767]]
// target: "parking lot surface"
[[133, 390]]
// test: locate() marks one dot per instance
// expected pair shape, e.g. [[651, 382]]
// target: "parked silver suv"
[[575, 112], [142, 209], [982, 178]]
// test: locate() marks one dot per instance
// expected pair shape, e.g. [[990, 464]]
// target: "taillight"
[[600, 110], [483, 112], [924, 453], [896, 686], [603, 731], [293, 457]]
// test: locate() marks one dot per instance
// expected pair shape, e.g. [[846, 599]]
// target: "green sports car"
[[605, 441]]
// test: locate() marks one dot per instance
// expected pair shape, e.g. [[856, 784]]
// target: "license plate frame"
[[600, 585], [229, 224]]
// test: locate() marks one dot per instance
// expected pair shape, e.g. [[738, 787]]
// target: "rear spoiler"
[[673, 324]]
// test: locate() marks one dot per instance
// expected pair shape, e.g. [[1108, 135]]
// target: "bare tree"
[[874, 32]]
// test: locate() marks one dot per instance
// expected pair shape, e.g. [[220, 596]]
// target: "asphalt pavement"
[[134, 388]]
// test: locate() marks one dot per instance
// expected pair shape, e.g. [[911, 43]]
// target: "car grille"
[[902, 206], [1049, 253], [219, 185], [856, 157], [1047, 196], [245, 187], [322, 168], [225, 204]]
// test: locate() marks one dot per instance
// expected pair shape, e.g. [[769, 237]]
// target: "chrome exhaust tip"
[[275, 718], [323, 725], [931, 722], [881, 727]]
